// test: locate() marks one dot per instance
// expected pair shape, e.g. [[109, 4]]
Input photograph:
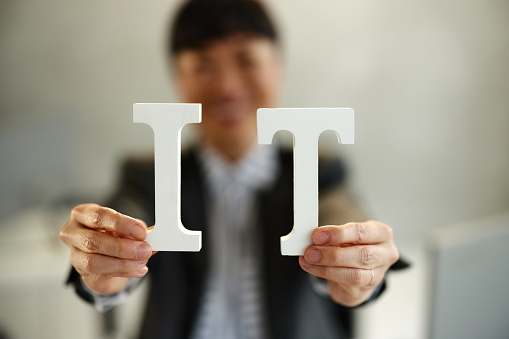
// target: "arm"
[[132, 196]]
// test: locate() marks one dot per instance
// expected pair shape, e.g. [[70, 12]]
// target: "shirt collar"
[[257, 170]]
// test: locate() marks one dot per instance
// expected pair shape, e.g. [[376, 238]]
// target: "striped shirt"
[[232, 305]]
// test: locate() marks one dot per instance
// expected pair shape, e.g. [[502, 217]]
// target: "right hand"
[[107, 247]]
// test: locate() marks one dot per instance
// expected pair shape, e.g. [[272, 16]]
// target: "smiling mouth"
[[229, 112]]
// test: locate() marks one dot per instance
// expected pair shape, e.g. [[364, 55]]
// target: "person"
[[226, 55]]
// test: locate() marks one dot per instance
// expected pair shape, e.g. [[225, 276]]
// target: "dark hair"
[[200, 21]]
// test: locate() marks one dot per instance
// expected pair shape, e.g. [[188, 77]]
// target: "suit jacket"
[[177, 278]]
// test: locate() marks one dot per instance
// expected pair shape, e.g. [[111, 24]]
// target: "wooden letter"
[[167, 121], [306, 125]]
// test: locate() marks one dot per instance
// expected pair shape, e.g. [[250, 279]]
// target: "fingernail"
[[312, 256], [138, 232], [143, 252], [143, 270], [305, 263], [321, 238]]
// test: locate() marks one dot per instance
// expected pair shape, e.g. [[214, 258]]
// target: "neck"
[[231, 151]]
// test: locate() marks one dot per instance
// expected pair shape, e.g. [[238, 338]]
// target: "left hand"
[[353, 257]]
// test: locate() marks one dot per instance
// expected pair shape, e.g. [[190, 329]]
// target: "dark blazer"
[[177, 278]]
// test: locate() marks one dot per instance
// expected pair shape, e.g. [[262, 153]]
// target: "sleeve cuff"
[[103, 302], [321, 287]]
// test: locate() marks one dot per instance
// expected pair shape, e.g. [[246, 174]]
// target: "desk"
[[33, 266]]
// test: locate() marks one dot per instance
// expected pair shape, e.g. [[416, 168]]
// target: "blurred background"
[[429, 82]]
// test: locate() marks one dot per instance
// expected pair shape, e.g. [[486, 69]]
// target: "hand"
[[107, 247], [353, 257]]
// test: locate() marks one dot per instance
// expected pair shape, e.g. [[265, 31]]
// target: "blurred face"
[[231, 78]]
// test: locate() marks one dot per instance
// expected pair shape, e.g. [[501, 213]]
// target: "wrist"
[[110, 286]]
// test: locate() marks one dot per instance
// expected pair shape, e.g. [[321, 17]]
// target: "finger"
[[86, 263], [361, 256], [370, 232], [93, 242], [103, 218], [344, 275]]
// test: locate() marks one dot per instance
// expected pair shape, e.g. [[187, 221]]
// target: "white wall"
[[73, 70], [429, 83]]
